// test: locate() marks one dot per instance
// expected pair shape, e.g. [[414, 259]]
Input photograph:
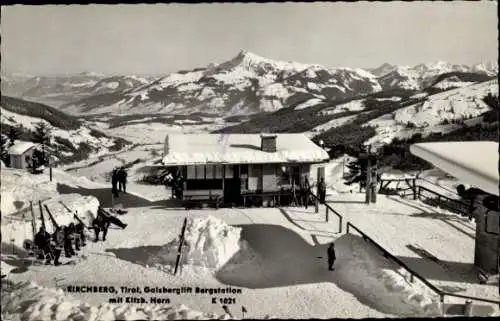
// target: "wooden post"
[[373, 187], [223, 182], [441, 299], [316, 201], [326, 210], [368, 177], [414, 188], [50, 172], [468, 308]]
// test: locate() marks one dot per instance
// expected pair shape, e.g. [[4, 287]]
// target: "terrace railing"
[[328, 209], [435, 198], [387, 254], [442, 294]]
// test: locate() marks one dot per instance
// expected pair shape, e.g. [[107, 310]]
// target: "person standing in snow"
[[305, 190], [43, 242], [114, 182], [331, 256], [322, 190], [122, 179], [68, 242], [79, 231]]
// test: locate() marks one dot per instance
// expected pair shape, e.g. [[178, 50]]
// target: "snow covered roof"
[[20, 147], [475, 163], [192, 149]]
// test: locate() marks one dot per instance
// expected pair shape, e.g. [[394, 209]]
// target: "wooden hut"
[[258, 169]]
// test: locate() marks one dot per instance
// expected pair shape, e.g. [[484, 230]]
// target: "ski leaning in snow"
[[181, 243], [75, 215]]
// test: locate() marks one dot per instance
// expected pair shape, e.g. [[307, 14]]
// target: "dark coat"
[[100, 222], [42, 239], [114, 177], [322, 186], [331, 253], [121, 175]]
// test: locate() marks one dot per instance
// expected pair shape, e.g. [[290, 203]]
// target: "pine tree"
[[4, 145], [13, 135], [357, 172], [41, 135]]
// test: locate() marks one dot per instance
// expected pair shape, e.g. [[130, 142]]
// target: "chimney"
[[268, 143]]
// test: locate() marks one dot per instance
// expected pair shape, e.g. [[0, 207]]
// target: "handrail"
[[450, 200], [471, 297], [398, 261], [331, 209], [443, 196], [441, 293]]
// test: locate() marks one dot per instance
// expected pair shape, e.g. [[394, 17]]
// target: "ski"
[[181, 243]]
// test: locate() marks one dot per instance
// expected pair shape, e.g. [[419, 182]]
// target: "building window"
[[200, 171], [209, 172], [218, 171], [285, 175], [244, 176], [229, 171], [191, 172]]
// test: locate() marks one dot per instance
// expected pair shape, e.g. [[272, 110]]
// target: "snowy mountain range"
[[57, 90], [454, 104], [421, 76], [245, 84]]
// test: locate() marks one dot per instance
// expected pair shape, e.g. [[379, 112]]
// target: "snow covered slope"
[[70, 138], [438, 112]]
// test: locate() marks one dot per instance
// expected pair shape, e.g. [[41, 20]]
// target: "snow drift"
[[380, 282], [28, 301], [208, 242], [19, 186]]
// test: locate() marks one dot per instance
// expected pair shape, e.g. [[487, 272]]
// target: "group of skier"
[[119, 181], [64, 238], [71, 238]]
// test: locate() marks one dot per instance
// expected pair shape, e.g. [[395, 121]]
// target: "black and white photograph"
[[295, 160]]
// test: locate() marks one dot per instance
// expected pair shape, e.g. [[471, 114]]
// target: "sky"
[[162, 38]]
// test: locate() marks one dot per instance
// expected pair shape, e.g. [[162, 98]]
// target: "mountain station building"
[[242, 169]]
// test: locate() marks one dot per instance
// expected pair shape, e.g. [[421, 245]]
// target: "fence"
[[329, 209], [442, 294], [451, 204]]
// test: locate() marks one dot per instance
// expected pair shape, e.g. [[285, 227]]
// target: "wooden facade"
[[23, 160], [235, 184]]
